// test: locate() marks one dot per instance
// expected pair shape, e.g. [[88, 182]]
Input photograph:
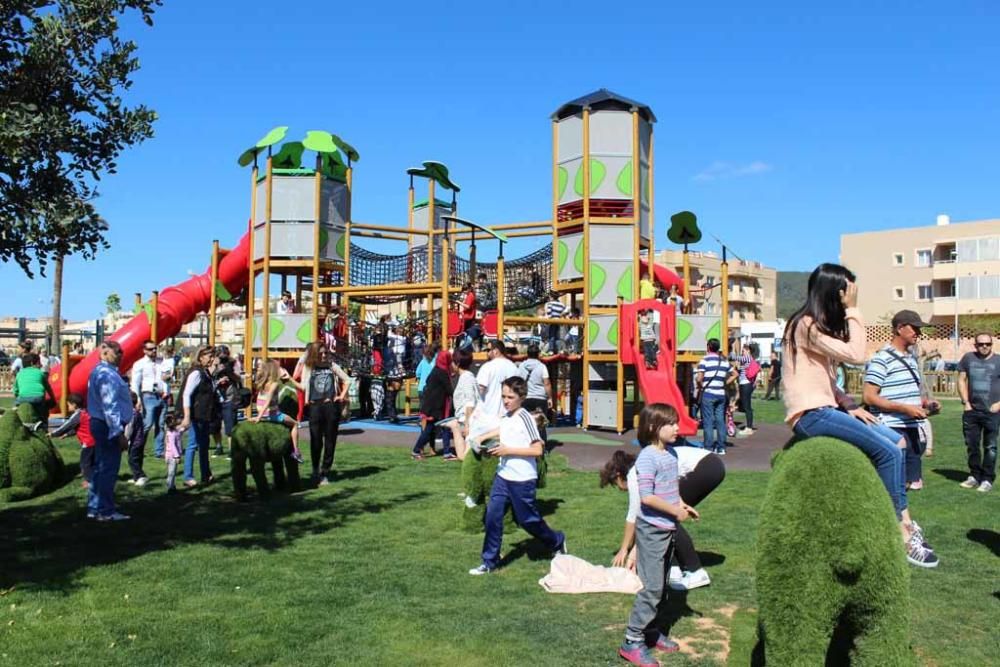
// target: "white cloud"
[[721, 170]]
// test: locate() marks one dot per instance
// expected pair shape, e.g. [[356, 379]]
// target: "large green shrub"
[[29, 464], [259, 444], [832, 577], [478, 471]]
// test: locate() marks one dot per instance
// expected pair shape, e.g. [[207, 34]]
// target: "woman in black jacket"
[[435, 405]]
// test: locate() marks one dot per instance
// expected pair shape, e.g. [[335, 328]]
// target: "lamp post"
[[957, 334]]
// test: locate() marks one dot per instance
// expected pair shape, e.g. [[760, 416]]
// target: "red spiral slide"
[[177, 305]]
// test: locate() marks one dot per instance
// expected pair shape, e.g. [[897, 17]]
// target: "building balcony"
[[943, 270], [745, 296], [947, 306], [748, 269]]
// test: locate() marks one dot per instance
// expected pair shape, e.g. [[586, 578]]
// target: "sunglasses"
[[986, 344], [149, 349]]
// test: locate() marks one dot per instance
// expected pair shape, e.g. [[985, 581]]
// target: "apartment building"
[[753, 287], [940, 271]]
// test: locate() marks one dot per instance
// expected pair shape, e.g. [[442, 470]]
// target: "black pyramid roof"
[[604, 99]]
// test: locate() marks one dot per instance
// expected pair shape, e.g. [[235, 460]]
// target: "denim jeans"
[[878, 443], [521, 497], [426, 437], [152, 420], [713, 422], [980, 430], [915, 447], [198, 439], [107, 460]]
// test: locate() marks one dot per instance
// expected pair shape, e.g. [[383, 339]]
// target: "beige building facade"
[[940, 270], [753, 287]]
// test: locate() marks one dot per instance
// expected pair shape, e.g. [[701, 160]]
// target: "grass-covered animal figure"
[[478, 471], [832, 580], [29, 464], [262, 443]]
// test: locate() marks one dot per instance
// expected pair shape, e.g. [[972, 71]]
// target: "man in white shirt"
[[151, 383], [491, 376]]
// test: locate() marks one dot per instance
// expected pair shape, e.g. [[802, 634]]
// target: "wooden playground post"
[[63, 377], [265, 319], [430, 258], [555, 204], [500, 296], [346, 273], [620, 376], [155, 320], [213, 297], [584, 337], [248, 323], [687, 276], [725, 304], [318, 208], [445, 280]]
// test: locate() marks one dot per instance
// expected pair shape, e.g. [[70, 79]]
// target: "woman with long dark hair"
[[826, 331], [325, 386], [201, 407]]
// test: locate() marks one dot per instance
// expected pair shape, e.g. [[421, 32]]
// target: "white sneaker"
[[142, 481], [675, 576], [985, 487], [696, 579], [969, 483], [481, 570], [116, 516]]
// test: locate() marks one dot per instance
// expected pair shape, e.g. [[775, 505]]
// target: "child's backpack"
[[753, 370]]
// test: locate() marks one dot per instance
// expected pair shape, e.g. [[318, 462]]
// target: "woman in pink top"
[[826, 331]]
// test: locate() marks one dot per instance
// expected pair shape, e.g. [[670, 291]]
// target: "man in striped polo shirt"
[[714, 372], [893, 392], [554, 309]]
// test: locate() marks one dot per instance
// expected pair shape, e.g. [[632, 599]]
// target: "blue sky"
[[781, 125]]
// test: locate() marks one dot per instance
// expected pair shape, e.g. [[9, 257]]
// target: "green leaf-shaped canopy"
[[289, 157], [352, 153], [320, 141], [272, 137], [438, 172]]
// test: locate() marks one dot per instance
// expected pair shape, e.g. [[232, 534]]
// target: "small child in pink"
[[172, 449]]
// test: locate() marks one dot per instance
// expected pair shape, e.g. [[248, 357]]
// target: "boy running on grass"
[[516, 478]]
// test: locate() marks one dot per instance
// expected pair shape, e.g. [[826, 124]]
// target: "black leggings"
[[324, 422], [695, 487], [746, 404]]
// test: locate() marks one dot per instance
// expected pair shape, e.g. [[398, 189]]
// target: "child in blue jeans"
[[660, 509], [516, 478]]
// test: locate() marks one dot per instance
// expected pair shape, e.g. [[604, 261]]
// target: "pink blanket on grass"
[[569, 574]]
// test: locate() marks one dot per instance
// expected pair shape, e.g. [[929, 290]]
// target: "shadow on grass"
[[953, 475], [711, 559], [50, 545], [988, 538]]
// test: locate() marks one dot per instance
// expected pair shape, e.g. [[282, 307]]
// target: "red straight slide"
[[657, 385], [177, 305]]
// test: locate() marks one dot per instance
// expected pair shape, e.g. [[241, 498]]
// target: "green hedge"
[[29, 464], [259, 444], [832, 577]]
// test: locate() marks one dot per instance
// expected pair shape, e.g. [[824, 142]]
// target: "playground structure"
[[301, 233]]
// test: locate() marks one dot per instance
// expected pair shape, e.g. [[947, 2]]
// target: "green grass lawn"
[[372, 570]]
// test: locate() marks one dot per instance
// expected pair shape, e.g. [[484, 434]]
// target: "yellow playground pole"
[[265, 319], [318, 207], [248, 328], [500, 288], [346, 273], [64, 378], [212, 299], [430, 257], [155, 320]]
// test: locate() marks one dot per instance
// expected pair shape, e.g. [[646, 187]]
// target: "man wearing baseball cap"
[[893, 392]]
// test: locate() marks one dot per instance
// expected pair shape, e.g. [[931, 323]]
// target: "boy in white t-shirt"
[[516, 479]]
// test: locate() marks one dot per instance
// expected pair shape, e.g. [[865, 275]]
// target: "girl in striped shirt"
[[659, 510]]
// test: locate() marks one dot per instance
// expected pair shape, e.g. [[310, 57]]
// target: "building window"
[[898, 293], [924, 257], [897, 259], [924, 292]]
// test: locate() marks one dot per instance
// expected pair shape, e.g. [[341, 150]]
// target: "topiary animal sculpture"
[[478, 471], [29, 464], [262, 443], [832, 580]]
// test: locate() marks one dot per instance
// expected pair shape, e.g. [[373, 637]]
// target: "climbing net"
[[527, 279]]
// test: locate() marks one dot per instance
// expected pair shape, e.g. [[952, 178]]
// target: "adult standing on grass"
[[746, 385], [894, 392], [435, 405], [711, 377], [325, 385], [425, 366], [491, 377], [109, 405], [149, 385], [828, 330], [536, 374], [774, 378], [979, 387], [201, 405]]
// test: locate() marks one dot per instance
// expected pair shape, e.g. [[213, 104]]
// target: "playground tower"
[[602, 213]]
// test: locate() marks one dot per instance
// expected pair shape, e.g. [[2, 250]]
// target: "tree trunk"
[[57, 282]]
